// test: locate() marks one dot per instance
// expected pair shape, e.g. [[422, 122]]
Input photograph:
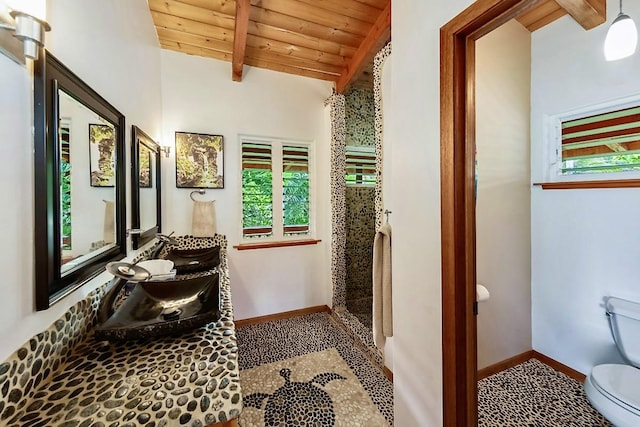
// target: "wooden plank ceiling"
[[325, 39], [332, 40]]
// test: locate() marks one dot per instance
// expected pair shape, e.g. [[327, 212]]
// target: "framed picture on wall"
[[199, 160], [102, 155]]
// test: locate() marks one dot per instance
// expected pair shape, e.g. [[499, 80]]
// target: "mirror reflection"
[[145, 187], [148, 202], [79, 182], [87, 183]]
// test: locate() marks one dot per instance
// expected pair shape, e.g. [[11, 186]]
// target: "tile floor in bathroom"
[[530, 394]]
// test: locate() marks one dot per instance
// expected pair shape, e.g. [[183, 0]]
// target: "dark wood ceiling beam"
[[240, 38], [588, 13], [380, 33]]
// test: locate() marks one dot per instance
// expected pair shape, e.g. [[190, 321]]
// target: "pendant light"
[[622, 38]]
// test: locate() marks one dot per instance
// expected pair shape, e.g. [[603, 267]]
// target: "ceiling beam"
[[374, 41], [240, 38], [588, 13]]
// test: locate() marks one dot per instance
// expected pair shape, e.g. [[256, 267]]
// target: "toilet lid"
[[620, 382]]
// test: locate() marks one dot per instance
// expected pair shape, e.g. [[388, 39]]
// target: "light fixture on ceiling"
[[622, 38]]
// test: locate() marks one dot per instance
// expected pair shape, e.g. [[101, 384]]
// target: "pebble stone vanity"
[[64, 377]]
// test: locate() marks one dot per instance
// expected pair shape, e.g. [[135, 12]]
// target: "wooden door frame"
[[458, 227]]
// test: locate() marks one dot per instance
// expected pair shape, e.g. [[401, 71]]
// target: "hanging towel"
[[109, 232], [204, 219], [382, 304]]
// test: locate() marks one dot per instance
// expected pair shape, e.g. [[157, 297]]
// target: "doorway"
[[458, 227]]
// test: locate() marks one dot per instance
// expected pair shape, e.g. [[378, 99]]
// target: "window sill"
[[581, 185], [278, 244]]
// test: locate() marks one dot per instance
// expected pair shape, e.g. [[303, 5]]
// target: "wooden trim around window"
[[582, 185], [278, 244]]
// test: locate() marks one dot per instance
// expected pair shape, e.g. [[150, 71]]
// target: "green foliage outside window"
[[296, 198], [257, 198], [604, 164], [65, 202]]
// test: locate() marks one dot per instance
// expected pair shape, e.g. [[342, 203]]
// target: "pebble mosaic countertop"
[[187, 380]]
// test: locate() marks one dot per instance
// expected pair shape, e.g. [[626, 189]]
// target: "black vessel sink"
[[159, 308]]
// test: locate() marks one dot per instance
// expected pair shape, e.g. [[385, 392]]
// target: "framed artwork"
[[102, 156], [199, 160], [145, 178]]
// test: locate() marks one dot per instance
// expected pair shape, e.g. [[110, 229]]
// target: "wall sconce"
[[622, 38], [28, 29], [165, 149]]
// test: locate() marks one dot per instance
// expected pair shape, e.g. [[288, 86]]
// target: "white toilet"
[[614, 390]]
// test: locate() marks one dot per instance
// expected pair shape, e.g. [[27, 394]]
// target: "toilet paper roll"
[[482, 293]]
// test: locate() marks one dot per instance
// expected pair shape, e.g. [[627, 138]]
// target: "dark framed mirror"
[[79, 181], [145, 187]]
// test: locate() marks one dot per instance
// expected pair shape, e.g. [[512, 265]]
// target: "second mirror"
[[145, 187]]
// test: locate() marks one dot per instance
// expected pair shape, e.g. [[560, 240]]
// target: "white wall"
[[414, 131], [112, 46], [503, 222], [199, 96], [584, 242], [387, 172]]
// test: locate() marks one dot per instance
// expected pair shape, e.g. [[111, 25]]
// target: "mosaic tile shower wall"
[[336, 103], [360, 229], [360, 117]]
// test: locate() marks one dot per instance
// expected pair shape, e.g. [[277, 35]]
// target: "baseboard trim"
[[283, 315], [505, 364], [570, 372], [523, 357]]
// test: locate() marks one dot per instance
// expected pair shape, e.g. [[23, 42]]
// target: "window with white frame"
[[276, 198], [600, 142]]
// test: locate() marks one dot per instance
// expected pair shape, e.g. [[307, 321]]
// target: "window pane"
[[360, 166], [295, 190], [601, 143], [257, 191]]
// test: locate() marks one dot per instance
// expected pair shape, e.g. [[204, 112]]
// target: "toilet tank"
[[624, 319]]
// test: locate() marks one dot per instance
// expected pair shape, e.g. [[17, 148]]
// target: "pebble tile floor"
[[534, 395], [283, 339], [528, 395]]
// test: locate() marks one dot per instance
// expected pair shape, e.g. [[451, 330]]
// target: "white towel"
[[204, 219], [382, 303], [109, 229]]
